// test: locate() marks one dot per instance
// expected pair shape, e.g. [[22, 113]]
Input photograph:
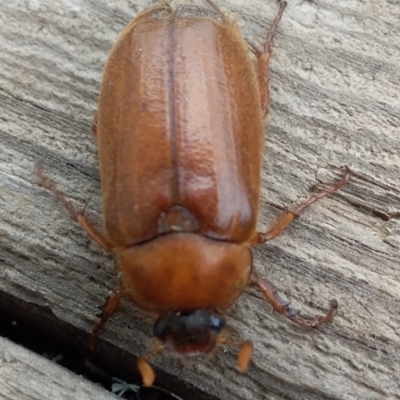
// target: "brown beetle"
[[179, 128]]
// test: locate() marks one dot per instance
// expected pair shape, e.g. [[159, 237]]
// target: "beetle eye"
[[160, 329], [216, 322]]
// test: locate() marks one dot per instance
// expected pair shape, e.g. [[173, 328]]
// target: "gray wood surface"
[[335, 100], [27, 376]]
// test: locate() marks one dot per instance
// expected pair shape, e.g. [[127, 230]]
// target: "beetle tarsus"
[[282, 306], [274, 26], [334, 305], [212, 4], [313, 323], [324, 193], [290, 215], [145, 369], [263, 57], [293, 313], [245, 352], [285, 303]]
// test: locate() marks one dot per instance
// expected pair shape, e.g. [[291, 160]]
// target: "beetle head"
[[191, 333], [188, 333]]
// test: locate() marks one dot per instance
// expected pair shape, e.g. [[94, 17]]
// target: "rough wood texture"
[[335, 100], [28, 376]]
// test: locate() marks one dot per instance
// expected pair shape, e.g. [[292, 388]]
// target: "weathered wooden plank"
[[25, 375], [335, 87]]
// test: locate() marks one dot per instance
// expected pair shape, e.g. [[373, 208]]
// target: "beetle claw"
[[285, 303], [334, 305], [293, 313]]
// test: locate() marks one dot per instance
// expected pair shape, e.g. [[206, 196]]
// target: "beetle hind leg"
[[78, 216], [263, 57], [282, 307]]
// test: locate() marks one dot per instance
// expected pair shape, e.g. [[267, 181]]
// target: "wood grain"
[[27, 376], [335, 100]]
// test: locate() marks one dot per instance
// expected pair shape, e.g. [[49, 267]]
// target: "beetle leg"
[[245, 352], [78, 216], [286, 219], [108, 310], [217, 9], [145, 368], [263, 57], [282, 306]]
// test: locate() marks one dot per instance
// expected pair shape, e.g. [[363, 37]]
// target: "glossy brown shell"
[[179, 123]]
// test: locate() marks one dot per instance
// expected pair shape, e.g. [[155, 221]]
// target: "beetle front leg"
[[282, 307], [245, 352], [289, 216], [108, 310], [145, 369], [263, 57], [78, 216]]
